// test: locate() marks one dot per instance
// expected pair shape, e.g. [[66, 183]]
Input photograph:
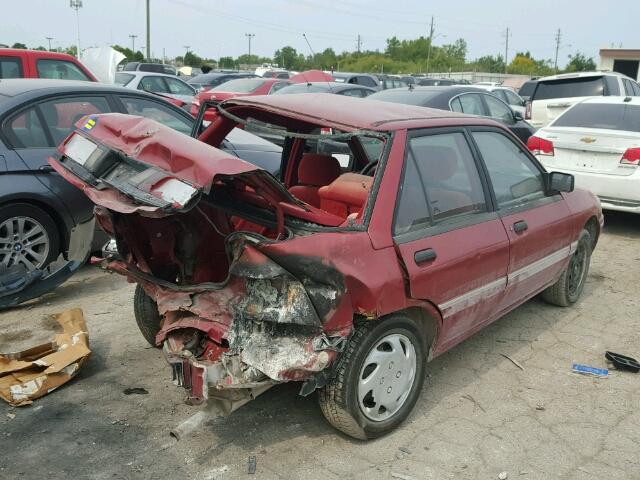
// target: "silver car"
[[159, 83]]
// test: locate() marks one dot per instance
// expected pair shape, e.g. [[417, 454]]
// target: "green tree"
[[489, 63], [227, 62], [130, 56], [22, 46], [287, 57], [580, 63]]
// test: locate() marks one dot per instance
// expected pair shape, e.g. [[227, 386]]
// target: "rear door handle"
[[520, 226], [422, 256]]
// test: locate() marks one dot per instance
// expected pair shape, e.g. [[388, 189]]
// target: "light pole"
[[77, 5], [49, 40], [148, 31], [133, 43], [249, 36]]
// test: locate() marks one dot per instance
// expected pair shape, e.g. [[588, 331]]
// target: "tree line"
[[414, 56]]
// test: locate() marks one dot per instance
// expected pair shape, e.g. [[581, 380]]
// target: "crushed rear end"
[[223, 249]]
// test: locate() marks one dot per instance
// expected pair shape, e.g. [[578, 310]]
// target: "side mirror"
[[517, 116], [560, 182]]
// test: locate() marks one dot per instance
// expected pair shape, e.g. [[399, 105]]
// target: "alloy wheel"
[[23, 241]]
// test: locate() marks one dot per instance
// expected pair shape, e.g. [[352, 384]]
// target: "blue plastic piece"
[[587, 370]]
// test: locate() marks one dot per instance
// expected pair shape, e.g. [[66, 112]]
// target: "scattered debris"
[[540, 407], [512, 361], [405, 450], [622, 362], [11, 416], [523, 472], [401, 476], [32, 373], [135, 391], [503, 475], [587, 370], [251, 465], [474, 401]]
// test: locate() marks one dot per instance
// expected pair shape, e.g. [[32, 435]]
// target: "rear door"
[[35, 132], [537, 226], [453, 245]]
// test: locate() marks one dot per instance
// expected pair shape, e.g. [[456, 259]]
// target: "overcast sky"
[[215, 28]]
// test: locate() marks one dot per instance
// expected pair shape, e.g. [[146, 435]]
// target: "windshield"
[[569, 87], [123, 78], [241, 85], [599, 115]]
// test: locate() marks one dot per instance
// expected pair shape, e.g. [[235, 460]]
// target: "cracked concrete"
[[478, 415]]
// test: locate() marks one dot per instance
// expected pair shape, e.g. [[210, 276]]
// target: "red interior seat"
[[347, 194], [315, 171]]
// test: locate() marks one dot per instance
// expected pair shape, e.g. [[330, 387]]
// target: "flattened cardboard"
[[32, 373]]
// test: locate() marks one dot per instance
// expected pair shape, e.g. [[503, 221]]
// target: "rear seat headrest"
[[317, 169]]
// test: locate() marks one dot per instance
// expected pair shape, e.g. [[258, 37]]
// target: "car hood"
[[137, 158]]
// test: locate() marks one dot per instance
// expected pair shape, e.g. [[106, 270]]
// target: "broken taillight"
[[631, 157], [540, 146]]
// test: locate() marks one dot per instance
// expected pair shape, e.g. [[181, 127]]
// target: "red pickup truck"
[[19, 63]]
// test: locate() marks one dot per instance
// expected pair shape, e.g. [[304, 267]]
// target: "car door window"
[[60, 70], [178, 87], [512, 98], [500, 94], [499, 110], [154, 84], [25, 130], [60, 115], [636, 89], [628, 89], [471, 104], [441, 184], [352, 92], [515, 178], [366, 81], [158, 112], [10, 67], [278, 86]]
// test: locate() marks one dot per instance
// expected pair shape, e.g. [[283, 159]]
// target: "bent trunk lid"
[[154, 165]]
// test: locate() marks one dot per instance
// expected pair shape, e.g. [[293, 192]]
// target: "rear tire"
[[375, 414], [147, 317], [567, 290], [28, 236]]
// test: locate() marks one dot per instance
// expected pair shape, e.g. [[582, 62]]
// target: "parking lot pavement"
[[479, 414]]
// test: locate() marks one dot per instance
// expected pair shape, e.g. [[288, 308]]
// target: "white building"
[[622, 60]]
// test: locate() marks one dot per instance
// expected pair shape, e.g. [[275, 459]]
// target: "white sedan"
[[597, 141], [167, 85]]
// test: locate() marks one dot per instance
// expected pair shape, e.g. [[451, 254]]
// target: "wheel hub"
[[387, 376], [23, 241]]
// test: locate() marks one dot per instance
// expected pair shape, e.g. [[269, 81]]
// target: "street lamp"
[[249, 36], [133, 43], [49, 40], [184, 60], [77, 5]]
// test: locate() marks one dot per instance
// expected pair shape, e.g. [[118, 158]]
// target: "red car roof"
[[355, 113]]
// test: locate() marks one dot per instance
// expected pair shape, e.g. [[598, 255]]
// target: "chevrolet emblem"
[[587, 139]]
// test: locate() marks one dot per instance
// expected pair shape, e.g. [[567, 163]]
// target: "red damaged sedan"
[[349, 272]]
